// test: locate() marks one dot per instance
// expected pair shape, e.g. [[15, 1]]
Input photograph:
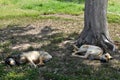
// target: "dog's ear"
[[6, 62], [107, 55]]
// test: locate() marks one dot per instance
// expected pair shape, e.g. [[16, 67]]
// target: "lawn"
[[33, 8], [22, 26]]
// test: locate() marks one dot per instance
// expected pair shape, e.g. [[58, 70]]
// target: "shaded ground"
[[49, 35]]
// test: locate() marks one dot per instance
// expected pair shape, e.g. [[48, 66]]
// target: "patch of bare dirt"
[[66, 16]]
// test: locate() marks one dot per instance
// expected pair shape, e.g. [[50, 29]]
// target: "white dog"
[[92, 52]]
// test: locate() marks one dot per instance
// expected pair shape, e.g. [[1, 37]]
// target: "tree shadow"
[[15, 39], [18, 39], [50, 39]]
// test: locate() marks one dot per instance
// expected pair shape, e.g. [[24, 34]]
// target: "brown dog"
[[33, 57]]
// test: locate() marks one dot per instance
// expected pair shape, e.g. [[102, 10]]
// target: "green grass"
[[113, 11], [91, 76], [51, 7], [24, 8], [113, 18], [18, 74], [114, 6], [33, 8]]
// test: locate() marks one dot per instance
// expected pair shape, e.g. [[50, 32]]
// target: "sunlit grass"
[[14, 8], [114, 6], [50, 7], [33, 8], [113, 18]]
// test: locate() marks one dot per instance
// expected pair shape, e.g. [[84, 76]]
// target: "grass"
[[113, 11], [15, 74], [17, 15], [33, 8], [113, 18], [89, 76], [114, 6], [51, 7]]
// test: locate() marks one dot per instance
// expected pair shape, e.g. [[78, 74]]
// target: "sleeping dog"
[[91, 52], [33, 57]]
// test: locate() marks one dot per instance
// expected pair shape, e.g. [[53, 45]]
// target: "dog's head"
[[46, 56], [106, 57], [10, 61]]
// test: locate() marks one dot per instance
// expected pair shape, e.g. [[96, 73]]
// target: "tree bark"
[[95, 30]]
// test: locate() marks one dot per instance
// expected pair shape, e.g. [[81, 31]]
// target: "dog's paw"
[[41, 65]]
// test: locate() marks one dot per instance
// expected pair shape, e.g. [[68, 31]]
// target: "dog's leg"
[[80, 56], [75, 46], [32, 62], [85, 56], [41, 61], [78, 52], [75, 53]]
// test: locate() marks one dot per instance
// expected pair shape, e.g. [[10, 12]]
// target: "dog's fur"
[[91, 52], [117, 44], [11, 60], [33, 57]]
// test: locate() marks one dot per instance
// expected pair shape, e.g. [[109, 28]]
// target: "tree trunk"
[[95, 30]]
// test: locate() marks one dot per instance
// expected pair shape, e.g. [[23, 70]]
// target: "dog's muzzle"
[[48, 59], [104, 60]]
